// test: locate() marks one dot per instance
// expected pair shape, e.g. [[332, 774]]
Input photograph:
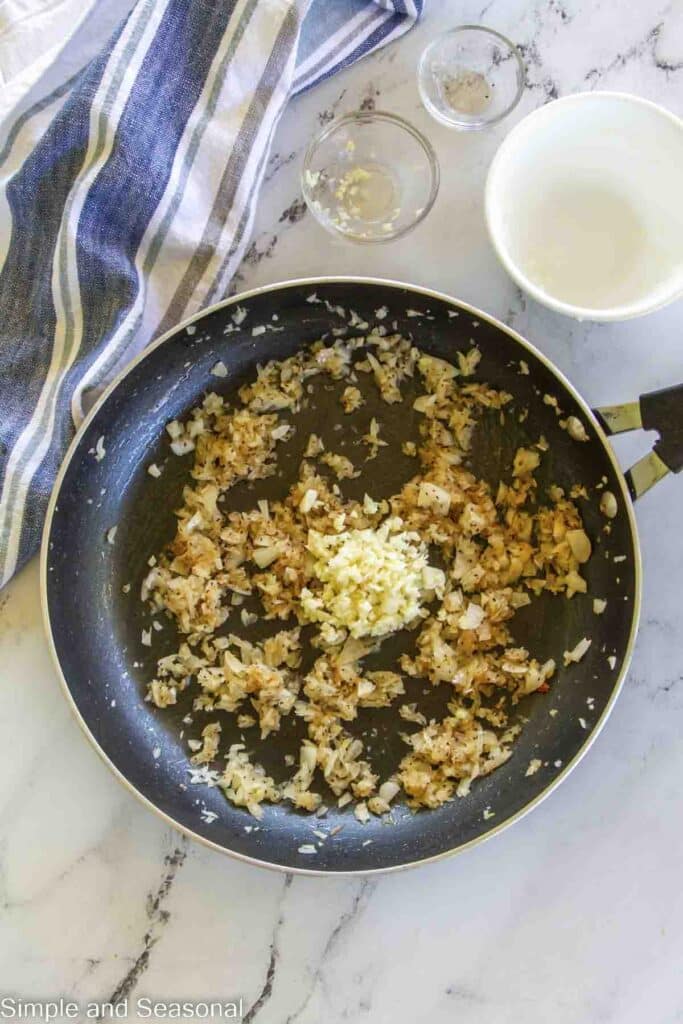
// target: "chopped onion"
[[424, 403], [608, 505], [472, 617], [432, 496], [182, 447], [100, 450], [580, 544], [308, 501], [577, 653], [433, 579], [576, 429], [362, 813], [265, 556], [388, 790], [308, 757]]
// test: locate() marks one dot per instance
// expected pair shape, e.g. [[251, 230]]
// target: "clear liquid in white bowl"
[[585, 244]]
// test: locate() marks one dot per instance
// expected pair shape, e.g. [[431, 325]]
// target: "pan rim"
[[312, 282]]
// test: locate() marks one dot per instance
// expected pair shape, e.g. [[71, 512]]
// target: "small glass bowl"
[[470, 77], [370, 176]]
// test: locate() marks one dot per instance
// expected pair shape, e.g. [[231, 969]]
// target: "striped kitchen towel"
[[128, 180]]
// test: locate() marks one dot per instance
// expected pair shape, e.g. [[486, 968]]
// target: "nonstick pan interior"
[[96, 627]]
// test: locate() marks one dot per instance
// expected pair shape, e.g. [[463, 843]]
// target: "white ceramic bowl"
[[584, 205]]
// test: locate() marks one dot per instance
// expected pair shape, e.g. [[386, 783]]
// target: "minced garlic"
[[374, 581]]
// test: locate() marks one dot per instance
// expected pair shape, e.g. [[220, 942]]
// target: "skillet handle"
[[661, 411]]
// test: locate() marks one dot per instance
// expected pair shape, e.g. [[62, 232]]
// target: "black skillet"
[[95, 628]]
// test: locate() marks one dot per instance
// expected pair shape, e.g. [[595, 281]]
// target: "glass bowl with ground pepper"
[[370, 176], [470, 77]]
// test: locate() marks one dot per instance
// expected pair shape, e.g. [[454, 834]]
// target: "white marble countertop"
[[573, 915]]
